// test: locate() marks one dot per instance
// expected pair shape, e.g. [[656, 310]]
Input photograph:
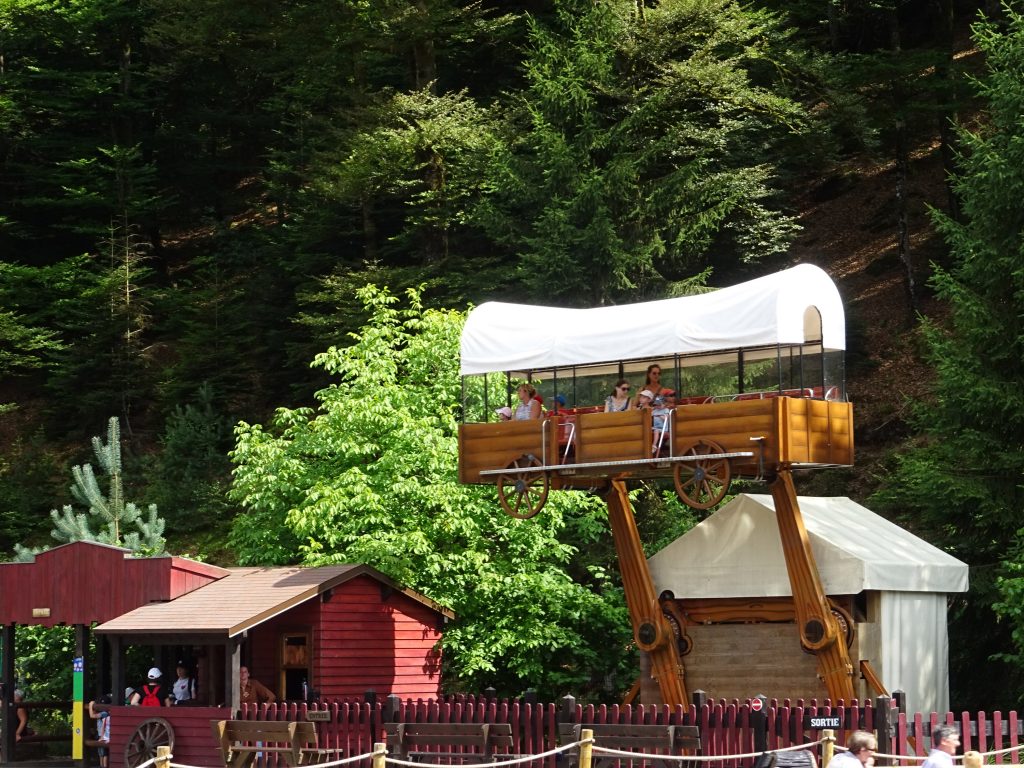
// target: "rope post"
[[163, 757], [587, 747], [380, 753], [972, 759], [828, 745]]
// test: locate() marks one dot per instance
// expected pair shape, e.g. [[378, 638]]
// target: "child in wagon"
[[660, 414]]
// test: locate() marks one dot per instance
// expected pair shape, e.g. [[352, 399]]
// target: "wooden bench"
[[431, 742], [648, 741], [801, 758], [295, 742]]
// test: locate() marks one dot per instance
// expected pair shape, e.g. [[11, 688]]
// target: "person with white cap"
[[152, 693], [504, 414]]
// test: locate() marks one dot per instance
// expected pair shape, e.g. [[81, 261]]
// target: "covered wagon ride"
[[758, 369]]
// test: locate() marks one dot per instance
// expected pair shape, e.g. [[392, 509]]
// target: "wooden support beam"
[[651, 630], [819, 630]]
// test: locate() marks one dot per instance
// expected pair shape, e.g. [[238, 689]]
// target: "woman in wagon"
[[652, 382], [529, 406], [619, 399]]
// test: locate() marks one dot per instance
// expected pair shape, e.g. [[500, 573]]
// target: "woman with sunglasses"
[[619, 399], [652, 383]]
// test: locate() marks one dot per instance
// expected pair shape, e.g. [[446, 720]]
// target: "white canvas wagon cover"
[[794, 306]]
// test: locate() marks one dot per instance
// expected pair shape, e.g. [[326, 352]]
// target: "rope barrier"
[[702, 758], [151, 761], [344, 760], [496, 763], [922, 758]]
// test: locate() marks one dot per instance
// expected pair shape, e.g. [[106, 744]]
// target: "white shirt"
[[182, 689], [938, 759]]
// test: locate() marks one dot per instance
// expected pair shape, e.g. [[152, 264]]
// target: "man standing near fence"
[[860, 752], [945, 742]]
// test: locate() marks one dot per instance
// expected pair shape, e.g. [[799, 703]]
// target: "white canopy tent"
[[796, 306], [737, 552]]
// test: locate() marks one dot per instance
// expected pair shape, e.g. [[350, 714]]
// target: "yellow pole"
[[586, 748], [163, 757], [972, 759], [828, 746], [380, 752]]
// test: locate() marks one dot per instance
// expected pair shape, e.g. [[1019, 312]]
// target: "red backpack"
[[149, 696]]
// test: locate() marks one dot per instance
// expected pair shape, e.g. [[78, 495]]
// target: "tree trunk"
[[946, 93]]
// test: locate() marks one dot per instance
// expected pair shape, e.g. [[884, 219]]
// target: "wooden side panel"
[[494, 446], [732, 425], [613, 436], [815, 431], [741, 660], [193, 740]]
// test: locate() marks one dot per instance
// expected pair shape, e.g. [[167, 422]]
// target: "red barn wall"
[[361, 641], [116, 584]]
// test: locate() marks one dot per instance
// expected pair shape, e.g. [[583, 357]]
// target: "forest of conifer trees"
[[194, 195]]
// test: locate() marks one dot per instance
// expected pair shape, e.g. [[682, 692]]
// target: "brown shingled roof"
[[245, 598]]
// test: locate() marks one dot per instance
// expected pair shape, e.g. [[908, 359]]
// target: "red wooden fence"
[[726, 727]]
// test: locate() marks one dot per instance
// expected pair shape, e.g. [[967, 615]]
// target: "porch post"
[[232, 683], [117, 683], [7, 679], [78, 716]]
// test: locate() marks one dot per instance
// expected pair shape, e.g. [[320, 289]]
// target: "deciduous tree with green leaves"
[[370, 475]]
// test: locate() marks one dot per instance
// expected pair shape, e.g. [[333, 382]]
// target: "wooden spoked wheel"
[[701, 483], [152, 733], [523, 494]]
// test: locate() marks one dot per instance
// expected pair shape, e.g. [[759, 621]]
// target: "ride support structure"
[[819, 629], [651, 630]]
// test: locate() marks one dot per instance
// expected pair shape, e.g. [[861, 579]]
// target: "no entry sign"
[[756, 704]]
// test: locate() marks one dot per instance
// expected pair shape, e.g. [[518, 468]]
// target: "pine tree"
[[110, 517], [959, 483]]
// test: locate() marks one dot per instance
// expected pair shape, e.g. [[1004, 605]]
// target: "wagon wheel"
[[702, 483], [523, 494], [152, 733]]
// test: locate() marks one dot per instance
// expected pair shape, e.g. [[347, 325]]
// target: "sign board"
[[756, 704], [826, 722], [318, 715]]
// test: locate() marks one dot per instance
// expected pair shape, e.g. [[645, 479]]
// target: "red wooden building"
[[329, 632], [337, 631]]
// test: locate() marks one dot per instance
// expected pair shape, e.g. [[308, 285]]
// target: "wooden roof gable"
[[245, 598], [85, 582]]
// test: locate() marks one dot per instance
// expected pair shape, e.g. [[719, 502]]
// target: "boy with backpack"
[[153, 693]]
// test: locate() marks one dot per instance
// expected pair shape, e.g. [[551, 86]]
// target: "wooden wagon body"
[[757, 370]]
